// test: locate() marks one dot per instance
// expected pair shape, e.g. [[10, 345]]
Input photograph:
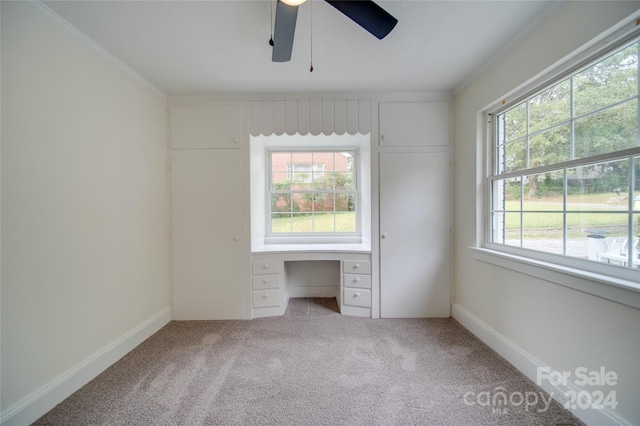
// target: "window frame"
[[311, 237], [560, 269]]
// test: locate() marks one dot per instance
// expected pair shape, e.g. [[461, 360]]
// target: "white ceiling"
[[221, 46]]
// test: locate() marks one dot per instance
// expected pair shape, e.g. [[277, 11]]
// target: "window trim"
[[626, 292], [257, 198], [621, 285]]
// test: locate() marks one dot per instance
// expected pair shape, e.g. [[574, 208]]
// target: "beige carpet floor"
[[311, 366]]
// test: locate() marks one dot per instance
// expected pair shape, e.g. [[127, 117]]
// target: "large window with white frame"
[[312, 192], [564, 179], [310, 189]]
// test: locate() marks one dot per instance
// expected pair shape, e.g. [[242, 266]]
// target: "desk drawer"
[[266, 298], [356, 280], [260, 282], [259, 268], [357, 297], [356, 267]]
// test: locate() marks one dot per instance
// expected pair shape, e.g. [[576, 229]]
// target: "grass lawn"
[[548, 218], [320, 222]]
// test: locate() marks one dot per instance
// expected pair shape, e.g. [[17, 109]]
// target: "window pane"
[[544, 191], [301, 178], [323, 222], [543, 232], [550, 147], [594, 232], [600, 186], [324, 161], [512, 229], [343, 180], [613, 129], [607, 82], [280, 222], [301, 202], [319, 177], [280, 180], [343, 161], [636, 186], [280, 203], [323, 202], [513, 156], [302, 158], [497, 227], [280, 161], [346, 202], [506, 228], [302, 222], [506, 194], [346, 222], [550, 107], [514, 122], [635, 247]]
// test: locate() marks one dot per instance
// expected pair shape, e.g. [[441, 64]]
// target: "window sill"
[[300, 247], [621, 291]]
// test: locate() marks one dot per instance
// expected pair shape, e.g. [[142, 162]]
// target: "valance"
[[310, 116]]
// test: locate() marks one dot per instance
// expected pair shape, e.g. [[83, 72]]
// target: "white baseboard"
[[44, 399], [529, 365]]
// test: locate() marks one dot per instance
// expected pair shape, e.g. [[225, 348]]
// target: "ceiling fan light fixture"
[[293, 2]]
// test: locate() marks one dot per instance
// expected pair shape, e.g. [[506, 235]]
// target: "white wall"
[[85, 208], [560, 327]]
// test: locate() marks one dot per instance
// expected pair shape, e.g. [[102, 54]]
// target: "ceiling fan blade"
[[368, 15], [285, 28]]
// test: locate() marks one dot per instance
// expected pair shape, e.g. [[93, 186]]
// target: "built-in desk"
[[271, 266]]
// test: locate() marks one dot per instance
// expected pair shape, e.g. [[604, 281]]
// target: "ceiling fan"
[[365, 13]]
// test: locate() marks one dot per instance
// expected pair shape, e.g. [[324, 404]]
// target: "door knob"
[[384, 235]]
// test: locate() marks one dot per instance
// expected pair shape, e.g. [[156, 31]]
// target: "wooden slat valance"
[[310, 116]]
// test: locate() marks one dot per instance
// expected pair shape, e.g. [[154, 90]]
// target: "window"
[[304, 171], [335, 195], [565, 175], [312, 192]]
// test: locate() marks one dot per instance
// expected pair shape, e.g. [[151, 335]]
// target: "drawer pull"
[[357, 294], [264, 296], [265, 281], [356, 280], [356, 266], [265, 266]]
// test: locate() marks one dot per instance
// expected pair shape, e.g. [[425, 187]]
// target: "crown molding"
[[70, 29]]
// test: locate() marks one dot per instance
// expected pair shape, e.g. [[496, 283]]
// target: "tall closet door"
[[414, 234], [207, 225]]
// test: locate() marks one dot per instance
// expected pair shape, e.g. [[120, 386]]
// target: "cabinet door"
[[210, 126], [414, 235], [207, 225], [414, 123]]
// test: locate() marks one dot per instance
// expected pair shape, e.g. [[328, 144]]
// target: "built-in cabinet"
[[269, 295], [415, 193], [207, 203], [414, 124], [405, 275], [272, 285], [356, 287], [206, 126]]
